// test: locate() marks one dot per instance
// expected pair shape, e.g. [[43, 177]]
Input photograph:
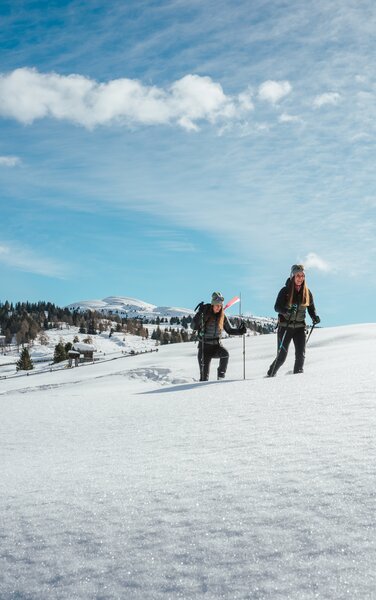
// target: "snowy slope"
[[124, 306], [42, 355], [125, 479]]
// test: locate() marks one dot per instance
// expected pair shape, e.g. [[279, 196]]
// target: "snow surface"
[[106, 348], [126, 479]]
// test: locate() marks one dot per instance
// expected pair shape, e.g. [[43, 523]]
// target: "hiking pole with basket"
[[201, 338], [243, 336]]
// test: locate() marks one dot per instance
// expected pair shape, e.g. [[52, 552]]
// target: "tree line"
[[22, 322]]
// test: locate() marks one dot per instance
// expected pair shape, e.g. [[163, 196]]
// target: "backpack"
[[201, 316]]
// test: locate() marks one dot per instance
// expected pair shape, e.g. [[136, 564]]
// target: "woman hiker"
[[210, 321], [292, 302]]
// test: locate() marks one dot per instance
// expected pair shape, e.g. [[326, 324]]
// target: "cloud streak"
[[25, 259], [27, 95], [9, 161]]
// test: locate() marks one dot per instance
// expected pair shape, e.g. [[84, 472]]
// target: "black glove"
[[316, 319], [242, 328]]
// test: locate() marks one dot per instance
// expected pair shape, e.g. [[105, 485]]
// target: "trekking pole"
[[202, 346], [201, 341], [310, 331], [243, 336]]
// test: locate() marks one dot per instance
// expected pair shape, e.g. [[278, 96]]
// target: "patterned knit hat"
[[217, 298], [296, 269]]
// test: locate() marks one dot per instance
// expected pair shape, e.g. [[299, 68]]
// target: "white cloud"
[[27, 95], [330, 98], [9, 161], [285, 118], [274, 91], [245, 100], [27, 260], [313, 261]]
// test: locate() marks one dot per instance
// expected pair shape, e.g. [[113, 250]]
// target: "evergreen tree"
[[92, 330], [60, 353], [25, 363]]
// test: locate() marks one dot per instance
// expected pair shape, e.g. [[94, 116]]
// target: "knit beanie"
[[296, 269], [217, 298]]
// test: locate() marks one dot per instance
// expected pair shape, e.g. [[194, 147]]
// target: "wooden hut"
[[86, 351]]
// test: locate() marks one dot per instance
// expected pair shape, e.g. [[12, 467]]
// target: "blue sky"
[[163, 150]]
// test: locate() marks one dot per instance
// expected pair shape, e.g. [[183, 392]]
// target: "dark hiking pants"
[[212, 351], [284, 337]]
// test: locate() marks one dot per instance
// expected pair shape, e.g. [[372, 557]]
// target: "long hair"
[[305, 293], [220, 316]]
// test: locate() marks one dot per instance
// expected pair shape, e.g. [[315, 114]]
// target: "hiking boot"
[[221, 375]]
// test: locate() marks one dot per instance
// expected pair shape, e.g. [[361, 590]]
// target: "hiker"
[[210, 321], [292, 302]]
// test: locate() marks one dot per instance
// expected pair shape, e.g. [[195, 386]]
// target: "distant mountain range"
[[124, 306]]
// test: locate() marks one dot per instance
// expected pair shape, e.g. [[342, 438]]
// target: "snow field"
[[128, 480]]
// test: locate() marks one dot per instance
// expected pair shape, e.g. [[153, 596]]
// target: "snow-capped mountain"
[[127, 307], [123, 306]]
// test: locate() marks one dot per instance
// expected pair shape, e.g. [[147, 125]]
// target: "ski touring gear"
[[233, 300]]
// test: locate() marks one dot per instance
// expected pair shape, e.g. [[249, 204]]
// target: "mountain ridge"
[[126, 306]]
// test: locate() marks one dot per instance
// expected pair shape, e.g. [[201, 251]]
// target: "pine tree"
[[25, 363], [60, 353], [82, 327]]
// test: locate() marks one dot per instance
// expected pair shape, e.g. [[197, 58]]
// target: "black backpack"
[[201, 316]]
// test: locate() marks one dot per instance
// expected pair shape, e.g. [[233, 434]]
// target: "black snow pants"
[[212, 350], [297, 335]]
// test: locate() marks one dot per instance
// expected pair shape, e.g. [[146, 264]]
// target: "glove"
[[316, 319], [243, 328], [292, 310]]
